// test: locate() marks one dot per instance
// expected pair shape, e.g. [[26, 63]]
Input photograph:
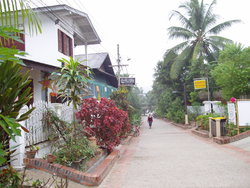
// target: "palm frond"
[[169, 55], [185, 21], [179, 32], [12, 10], [218, 28], [198, 48], [180, 46], [197, 14], [181, 61], [219, 41], [209, 18]]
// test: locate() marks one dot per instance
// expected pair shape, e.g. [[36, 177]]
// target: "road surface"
[[169, 157]]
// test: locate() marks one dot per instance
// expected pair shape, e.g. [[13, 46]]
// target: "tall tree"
[[200, 33], [232, 73]]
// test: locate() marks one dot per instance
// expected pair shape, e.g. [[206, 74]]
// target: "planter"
[[51, 158], [92, 139], [31, 154]]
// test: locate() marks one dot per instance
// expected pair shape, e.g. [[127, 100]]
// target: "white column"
[[186, 119], [18, 156], [210, 127], [86, 54]]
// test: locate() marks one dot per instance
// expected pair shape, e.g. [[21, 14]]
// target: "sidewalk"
[[166, 156]]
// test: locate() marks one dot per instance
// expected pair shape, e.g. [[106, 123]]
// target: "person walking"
[[150, 120]]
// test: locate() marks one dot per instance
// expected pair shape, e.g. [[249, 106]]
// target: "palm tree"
[[199, 31]]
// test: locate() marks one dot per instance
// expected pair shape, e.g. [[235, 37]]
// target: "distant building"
[[104, 78]]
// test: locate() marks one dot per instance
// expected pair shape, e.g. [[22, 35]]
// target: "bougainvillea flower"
[[233, 99]]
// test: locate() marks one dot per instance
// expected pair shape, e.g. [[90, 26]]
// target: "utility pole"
[[119, 65]]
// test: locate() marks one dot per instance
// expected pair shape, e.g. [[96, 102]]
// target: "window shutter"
[[70, 47], [65, 44], [60, 41]]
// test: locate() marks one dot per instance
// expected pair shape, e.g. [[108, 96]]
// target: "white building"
[[63, 28]]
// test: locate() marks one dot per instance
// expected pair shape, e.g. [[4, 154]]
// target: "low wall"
[[227, 139], [93, 178]]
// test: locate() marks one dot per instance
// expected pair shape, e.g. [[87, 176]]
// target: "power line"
[[54, 17]]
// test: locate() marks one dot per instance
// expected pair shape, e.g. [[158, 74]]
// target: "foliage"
[[69, 146], [129, 99], [9, 177], [11, 81], [13, 86], [199, 33], [176, 111], [57, 127], [136, 99], [243, 129], [196, 111], [105, 121], [12, 11], [120, 98], [74, 150], [232, 129], [203, 120], [72, 80], [34, 148], [233, 71], [164, 102], [10, 14]]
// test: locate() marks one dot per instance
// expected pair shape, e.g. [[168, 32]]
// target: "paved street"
[[166, 156]]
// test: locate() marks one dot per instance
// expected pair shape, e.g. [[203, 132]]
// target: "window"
[[65, 44]]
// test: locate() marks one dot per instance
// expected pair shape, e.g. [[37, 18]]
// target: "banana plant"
[[72, 80]]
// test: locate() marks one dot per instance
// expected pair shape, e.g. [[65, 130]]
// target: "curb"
[[181, 125], [199, 133], [93, 178], [227, 140]]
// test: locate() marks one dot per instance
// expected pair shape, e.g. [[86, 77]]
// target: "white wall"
[[43, 48]]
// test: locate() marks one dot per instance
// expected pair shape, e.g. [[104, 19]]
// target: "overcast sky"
[[140, 28]]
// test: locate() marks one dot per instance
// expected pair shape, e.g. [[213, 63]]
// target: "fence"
[[202, 110], [38, 130]]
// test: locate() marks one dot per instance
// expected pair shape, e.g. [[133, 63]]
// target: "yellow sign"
[[200, 84]]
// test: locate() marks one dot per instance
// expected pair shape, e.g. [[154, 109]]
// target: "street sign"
[[126, 81], [200, 84]]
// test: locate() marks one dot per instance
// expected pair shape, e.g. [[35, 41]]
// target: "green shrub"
[[232, 129], [176, 111], [75, 150], [203, 120]]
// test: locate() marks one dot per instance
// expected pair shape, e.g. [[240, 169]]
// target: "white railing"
[[38, 130]]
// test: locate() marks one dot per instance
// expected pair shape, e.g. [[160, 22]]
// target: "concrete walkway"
[[166, 156]]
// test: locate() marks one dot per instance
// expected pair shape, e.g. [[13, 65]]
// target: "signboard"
[[200, 84], [231, 113], [126, 81], [243, 107]]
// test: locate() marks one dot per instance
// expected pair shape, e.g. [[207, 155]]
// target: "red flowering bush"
[[104, 121]]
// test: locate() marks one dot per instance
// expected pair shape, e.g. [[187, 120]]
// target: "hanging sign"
[[126, 81], [200, 83]]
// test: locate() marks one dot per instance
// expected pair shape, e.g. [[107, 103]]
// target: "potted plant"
[[51, 158], [53, 97], [33, 150]]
